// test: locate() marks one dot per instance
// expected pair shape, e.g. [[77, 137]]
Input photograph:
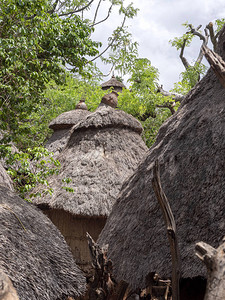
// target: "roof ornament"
[[81, 105]]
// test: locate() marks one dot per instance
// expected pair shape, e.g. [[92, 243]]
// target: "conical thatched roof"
[[191, 150], [103, 150], [61, 126], [34, 254], [114, 83]]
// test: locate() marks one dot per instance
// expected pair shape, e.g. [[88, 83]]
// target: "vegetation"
[[40, 41]]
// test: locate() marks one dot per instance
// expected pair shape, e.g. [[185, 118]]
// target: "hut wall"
[[74, 229]]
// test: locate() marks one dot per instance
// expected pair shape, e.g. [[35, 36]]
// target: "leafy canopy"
[[34, 46]]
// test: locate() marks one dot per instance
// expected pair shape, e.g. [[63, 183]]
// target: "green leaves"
[[34, 45], [30, 168]]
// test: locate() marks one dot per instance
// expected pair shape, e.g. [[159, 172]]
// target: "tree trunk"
[[7, 291], [214, 260]]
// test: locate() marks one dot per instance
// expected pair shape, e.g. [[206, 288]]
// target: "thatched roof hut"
[[61, 126], [103, 150], [191, 150], [114, 83], [34, 254]]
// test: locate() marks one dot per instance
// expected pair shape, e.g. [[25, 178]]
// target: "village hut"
[[103, 150], [190, 148], [34, 254], [113, 83], [61, 126]]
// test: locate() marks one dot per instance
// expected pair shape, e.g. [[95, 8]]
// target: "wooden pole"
[[171, 230]]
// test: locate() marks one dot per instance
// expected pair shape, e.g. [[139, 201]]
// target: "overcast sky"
[[159, 21]]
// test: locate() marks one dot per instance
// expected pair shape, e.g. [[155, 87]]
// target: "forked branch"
[[171, 230]]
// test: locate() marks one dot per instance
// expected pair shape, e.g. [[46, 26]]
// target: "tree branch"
[[183, 59], [175, 96], [110, 44], [96, 12], [76, 11], [109, 12], [171, 230], [216, 62], [213, 37], [214, 259]]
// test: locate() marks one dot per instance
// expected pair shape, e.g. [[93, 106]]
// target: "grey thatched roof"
[[191, 150], [5, 180], [68, 119], [113, 82], [34, 254], [61, 126], [103, 150]]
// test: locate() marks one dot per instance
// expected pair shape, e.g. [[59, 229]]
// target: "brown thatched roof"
[[34, 254], [103, 150], [5, 180], [114, 83], [191, 150]]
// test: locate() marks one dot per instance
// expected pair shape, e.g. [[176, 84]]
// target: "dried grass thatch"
[[61, 126], [5, 180], [103, 150], [34, 254], [191, 150], [114, 83]]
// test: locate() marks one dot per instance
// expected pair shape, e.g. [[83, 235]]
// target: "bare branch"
[[213, 37], [171, 229], [216, 62], [176, 97], [96, 12], [205, 42], [168, 105], [110, 44], [109, 12], [183, 59], [76, 11]]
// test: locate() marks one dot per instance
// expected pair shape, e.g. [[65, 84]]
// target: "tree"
[[143, 100], [193, 72], [39, 40]]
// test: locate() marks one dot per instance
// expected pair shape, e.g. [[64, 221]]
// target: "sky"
[[159, 21]]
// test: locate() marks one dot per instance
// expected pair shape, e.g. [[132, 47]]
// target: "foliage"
[[189, 78], [27, 169], [34, 47], [123, 52], [187, 37], [143, 101], [219, 24]]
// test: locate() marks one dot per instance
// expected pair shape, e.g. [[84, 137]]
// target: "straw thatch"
[[61, 126], [103, 150], [34, 254], [113, 83], [5, 180], [191, 150]]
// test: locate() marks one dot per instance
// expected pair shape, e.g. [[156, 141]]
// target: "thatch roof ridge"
[[68, 119], [106, 116], [33, 252], [191, 151]]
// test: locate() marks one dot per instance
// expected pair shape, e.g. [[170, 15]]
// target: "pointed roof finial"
[[81, 105]]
